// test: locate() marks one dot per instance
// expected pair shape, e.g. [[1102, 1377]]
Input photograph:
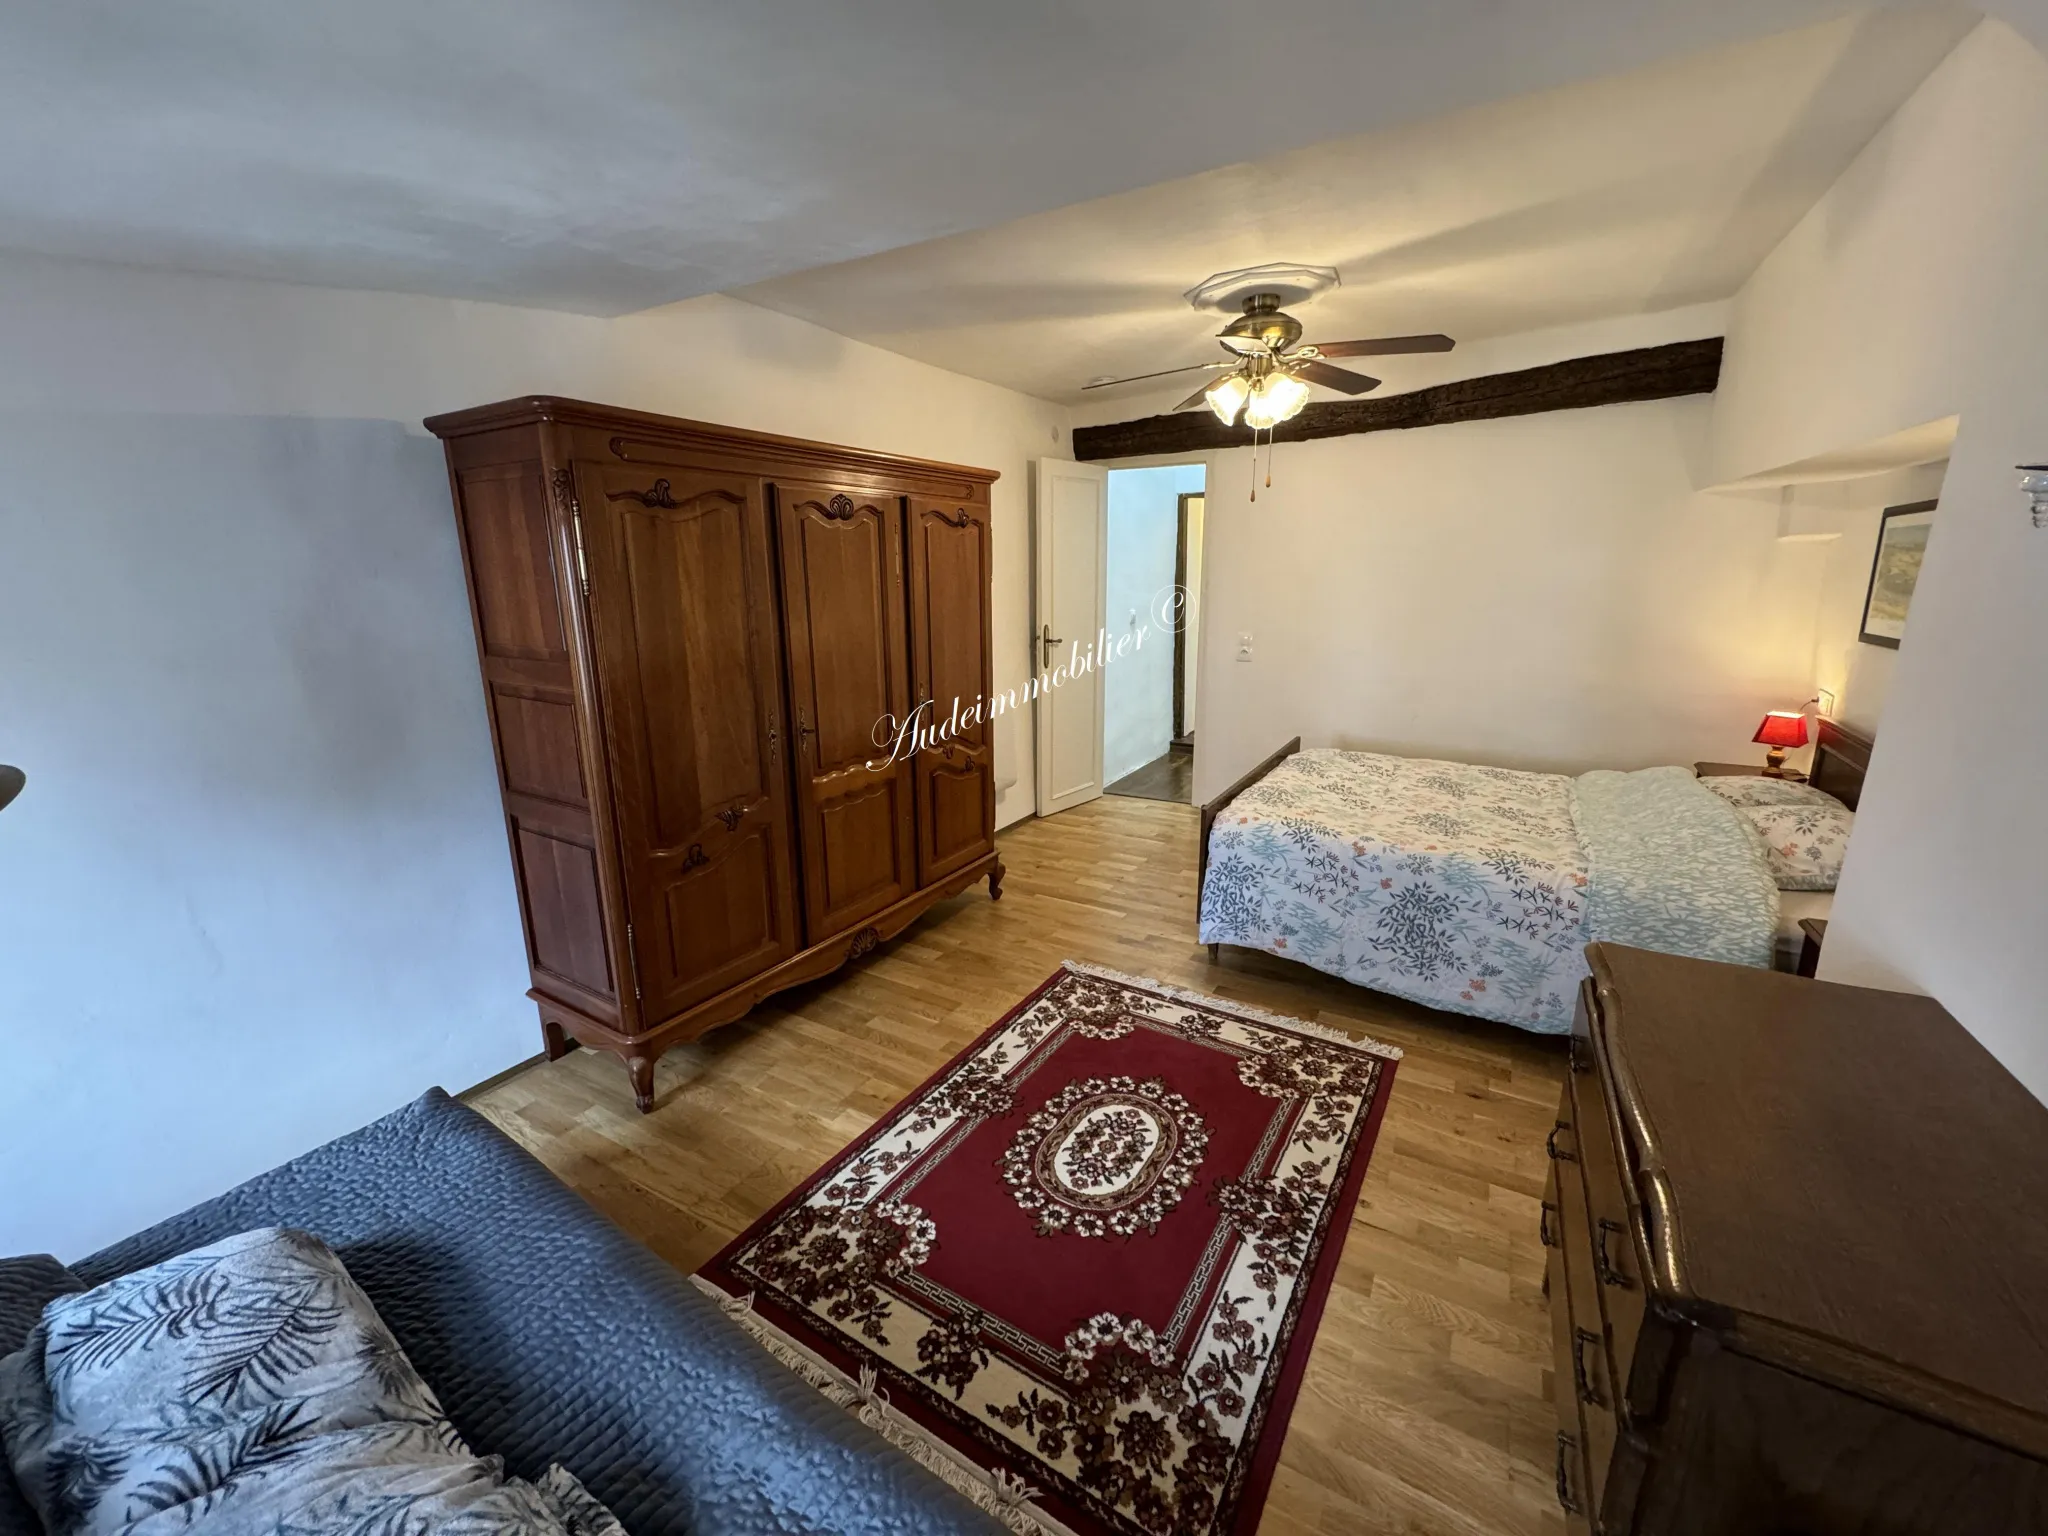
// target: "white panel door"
[[1070, 531]]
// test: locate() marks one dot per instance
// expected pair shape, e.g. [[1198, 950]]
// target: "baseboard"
[[496, 1078]]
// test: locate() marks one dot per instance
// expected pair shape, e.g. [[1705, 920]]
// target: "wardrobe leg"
[[554, 1040], [995, 881], [642, 1068]]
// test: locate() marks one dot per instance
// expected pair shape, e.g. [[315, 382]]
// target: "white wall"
[[257, 892], [1541, 592], [1137, 691], [1912, 291]]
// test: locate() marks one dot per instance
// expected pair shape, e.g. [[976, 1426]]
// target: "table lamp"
[[1782, 728]]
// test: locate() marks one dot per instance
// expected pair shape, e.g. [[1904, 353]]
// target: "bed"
[[1476, 889]]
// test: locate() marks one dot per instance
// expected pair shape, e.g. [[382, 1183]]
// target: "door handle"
[[1047, 642]]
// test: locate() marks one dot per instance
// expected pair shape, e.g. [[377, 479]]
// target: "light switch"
[[1244, 647]]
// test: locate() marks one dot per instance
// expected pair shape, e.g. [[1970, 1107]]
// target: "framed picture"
[[1895, 572]]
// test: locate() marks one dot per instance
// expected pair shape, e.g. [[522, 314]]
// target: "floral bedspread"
[[1457, 886], [1477, 889]]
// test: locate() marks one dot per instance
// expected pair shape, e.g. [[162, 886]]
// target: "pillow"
[[1803, 842], [1737, 790], [249, 1383]]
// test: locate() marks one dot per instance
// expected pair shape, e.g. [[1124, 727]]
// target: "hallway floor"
[[1171, 777]]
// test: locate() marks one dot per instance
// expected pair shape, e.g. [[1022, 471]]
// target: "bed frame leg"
[[1215, 951]]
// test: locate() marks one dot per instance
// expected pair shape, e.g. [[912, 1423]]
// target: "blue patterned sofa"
[[549, 1335]]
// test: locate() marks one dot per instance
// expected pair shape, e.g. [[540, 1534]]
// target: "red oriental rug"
[[1078, 1272]]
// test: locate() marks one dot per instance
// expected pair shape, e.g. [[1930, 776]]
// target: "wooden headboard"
[[1840, 761]]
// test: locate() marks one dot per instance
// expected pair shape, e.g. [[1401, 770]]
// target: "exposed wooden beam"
[[1612, 378]]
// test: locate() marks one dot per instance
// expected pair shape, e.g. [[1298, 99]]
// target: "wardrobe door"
[[849, 676], [949, 650], [682, 589]]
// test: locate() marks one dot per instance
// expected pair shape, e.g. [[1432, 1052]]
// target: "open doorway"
[[1152, 580]]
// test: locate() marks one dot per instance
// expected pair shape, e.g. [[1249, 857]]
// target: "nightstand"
[[1815, 932], [1740, 771]]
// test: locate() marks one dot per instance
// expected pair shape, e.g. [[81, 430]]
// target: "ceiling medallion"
[[1225, 292]]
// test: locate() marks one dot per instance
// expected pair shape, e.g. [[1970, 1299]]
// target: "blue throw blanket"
[[1670, 867]]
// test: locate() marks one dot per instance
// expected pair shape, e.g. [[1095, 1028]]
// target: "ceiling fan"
[[1268, 373]]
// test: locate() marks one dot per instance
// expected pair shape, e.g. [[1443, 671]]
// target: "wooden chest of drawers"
[[1798, 1262]]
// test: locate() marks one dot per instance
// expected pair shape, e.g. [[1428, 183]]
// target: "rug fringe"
[[994, 1491], [1242, 1010]]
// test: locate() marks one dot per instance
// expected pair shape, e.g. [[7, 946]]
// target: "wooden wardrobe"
[[693, 639]]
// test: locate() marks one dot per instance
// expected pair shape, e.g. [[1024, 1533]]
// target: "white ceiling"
[[616, 154], [1632, 194]]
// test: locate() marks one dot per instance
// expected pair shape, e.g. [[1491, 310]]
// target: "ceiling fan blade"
[[1164, 373], [1386, 346], [1332, 377], [1199, 397]]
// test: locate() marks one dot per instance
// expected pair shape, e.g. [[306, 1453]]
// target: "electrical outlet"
[[1244, 647]]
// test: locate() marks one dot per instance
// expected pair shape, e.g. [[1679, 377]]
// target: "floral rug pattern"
[[1078, 1272]]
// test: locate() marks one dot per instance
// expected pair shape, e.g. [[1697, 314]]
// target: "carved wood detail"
[[732, 817], [840, 506], [563, 483], [864, 941], [659, 494], [1612, 378]]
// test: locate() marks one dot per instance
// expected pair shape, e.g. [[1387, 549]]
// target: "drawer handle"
[[1602, 1265], [1588, 1392], [1558, 1154], [1543, 1226], [1566, 1446]]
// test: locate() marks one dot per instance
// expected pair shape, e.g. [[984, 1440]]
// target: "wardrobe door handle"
[[1543, 1226], [1566, 1445], [1550, 1145], [1602, 1265], [1589, 1393]]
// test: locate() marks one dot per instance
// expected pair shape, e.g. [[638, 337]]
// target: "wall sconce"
[[2034, 481]]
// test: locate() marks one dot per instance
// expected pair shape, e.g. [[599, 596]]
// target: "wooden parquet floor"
[[1426, 1405]]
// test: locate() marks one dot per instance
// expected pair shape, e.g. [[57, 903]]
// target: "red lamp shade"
[[1781, 728]]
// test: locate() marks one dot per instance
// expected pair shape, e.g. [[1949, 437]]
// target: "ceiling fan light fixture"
[[1227, 397], [1277, 397]]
